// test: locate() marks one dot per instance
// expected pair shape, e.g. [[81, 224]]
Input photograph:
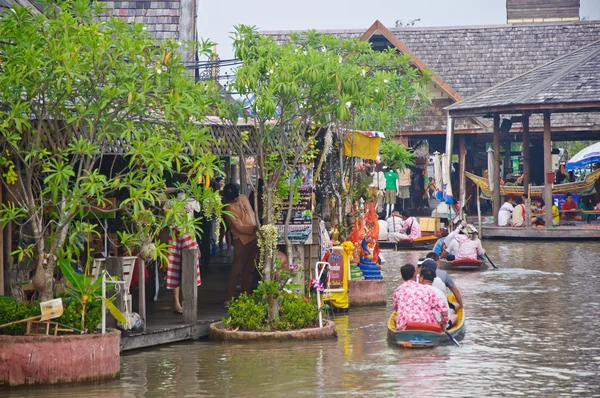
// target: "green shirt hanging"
[[390, 180]]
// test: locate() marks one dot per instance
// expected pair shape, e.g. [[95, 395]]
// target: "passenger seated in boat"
[[426, 278], [567, 205], [452, 243], [383, 231], [518, 214], [417, 303], [505, 213], [394, 225], [410, 228], [470, 249], [442, 279]]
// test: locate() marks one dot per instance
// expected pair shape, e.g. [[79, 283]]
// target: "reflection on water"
[[532, 330]]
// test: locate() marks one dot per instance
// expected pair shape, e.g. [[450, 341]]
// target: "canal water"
[[533, 329]]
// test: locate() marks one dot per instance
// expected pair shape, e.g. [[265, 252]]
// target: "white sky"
[[217, 18]]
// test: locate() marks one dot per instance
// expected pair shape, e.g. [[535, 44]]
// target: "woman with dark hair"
[[243, 226]]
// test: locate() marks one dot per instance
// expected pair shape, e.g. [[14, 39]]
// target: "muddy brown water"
[[533, 329]]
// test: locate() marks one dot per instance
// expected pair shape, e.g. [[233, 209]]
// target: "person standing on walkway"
[[243, 225]]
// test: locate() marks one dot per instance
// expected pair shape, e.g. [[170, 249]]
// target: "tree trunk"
[[48, 293]]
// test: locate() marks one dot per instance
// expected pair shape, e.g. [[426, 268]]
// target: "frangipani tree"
[[311, 84], [71, 86]]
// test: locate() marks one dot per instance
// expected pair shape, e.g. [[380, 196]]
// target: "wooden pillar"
[[189, 286], [462, 155], [142, 292], [243, 178], [496, 196], [114, 267], [526, 154], [547, 168], [2, 270]]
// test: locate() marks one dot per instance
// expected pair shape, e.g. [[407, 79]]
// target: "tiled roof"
[[160, 17], [472, 59], [572, 78]]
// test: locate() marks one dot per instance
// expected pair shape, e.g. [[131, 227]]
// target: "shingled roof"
[[570, 82], [472, 59]]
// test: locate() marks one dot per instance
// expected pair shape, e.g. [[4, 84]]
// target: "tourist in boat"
[[433, 261], [394, 227], [410, 227], [570, 204], [470, 249], [505, 213], [451, 244], [417, 303], [426, 278], [518, 214]]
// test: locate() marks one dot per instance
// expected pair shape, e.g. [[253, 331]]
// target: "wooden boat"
[[425, 335], [422, 243], [585, 187], [461, 264]]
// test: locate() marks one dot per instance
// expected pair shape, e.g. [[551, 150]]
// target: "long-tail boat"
[[585, 187]]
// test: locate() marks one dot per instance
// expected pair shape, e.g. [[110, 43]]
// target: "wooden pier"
[[580, 232]]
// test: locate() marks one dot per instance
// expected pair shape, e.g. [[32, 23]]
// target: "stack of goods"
[[355, 272]]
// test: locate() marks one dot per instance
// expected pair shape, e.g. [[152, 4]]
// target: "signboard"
[[336, 268], [300, 228], [51, 309]]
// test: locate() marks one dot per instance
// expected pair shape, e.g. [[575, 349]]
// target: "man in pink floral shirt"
[[417, 303]]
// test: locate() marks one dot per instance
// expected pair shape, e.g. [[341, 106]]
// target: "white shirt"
[[442, 296], [505, 214], [383, 230], [394, 224], [439, 284]]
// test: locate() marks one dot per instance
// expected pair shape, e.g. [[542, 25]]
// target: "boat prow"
[[422, 243], [420, 335]]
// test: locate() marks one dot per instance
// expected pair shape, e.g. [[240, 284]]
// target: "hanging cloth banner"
[[447, 186], [365, 143], [491, 176]]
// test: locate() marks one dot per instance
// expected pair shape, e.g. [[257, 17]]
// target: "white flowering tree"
[[72, 86], [298, 90]]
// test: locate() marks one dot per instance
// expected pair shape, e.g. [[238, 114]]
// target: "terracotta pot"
[[220, 333]]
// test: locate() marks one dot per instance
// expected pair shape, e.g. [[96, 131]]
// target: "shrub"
[[246, 313], [11, 311], [249, 312], [296, 313]]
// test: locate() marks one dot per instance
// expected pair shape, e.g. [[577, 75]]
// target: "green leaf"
[[74, 278], [114, 311]]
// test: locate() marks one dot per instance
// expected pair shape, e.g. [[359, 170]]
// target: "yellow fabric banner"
[[364, 147]]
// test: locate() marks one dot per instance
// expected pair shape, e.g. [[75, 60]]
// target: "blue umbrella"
[[585, 157]]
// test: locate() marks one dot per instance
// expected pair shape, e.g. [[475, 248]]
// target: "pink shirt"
[[415, 228], [417, 303], [469, 250]]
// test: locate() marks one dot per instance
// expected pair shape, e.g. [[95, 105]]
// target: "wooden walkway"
[[579, 232], [165, 327]]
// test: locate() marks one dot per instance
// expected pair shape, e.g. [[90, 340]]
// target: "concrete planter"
[[219, 333], [28, 360], [366, 292]]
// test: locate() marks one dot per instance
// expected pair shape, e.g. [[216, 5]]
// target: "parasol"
[[585, 157]]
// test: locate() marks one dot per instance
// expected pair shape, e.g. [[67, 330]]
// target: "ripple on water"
[[532, 330]]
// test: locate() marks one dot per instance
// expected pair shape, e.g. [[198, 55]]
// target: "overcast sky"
[[216, 18]]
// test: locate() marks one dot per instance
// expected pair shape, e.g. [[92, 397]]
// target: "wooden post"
[[462, 156], [142, 291], [2, 270], [189, 286], [496, 196], [187, 27], [547, 168], [479, 224], [114, 267], [243, 178], [526, 155]]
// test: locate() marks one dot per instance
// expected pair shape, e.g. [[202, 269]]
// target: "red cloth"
[[174, 268], [135, 275], [569, 206]]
